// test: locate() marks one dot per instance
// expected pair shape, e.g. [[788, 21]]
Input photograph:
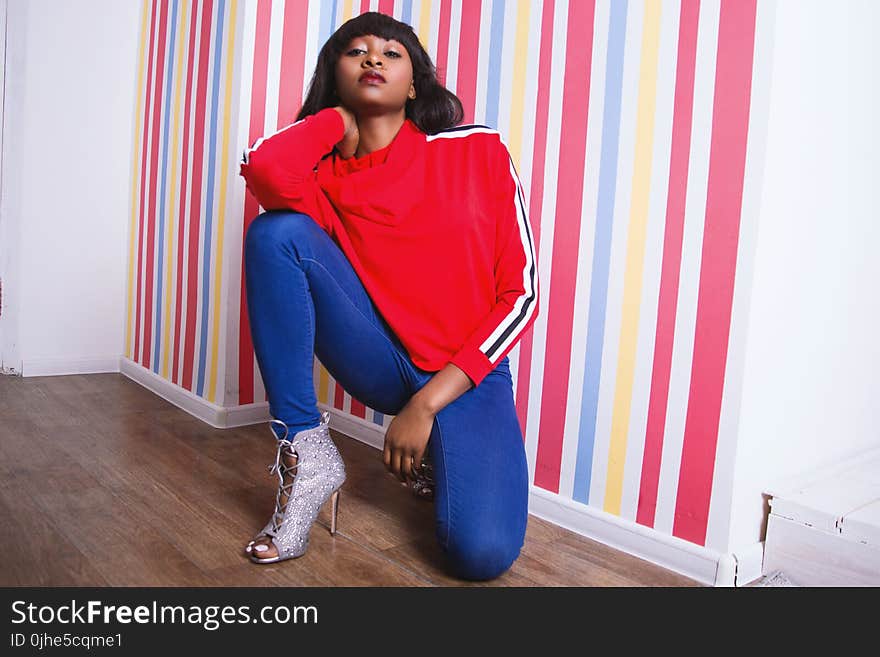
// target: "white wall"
[[70, 93], [811, 385]]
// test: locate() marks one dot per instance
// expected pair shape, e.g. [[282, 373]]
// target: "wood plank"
[[106, 484], [35, 553], [123, 548], [374, 508], [114, 537], [541, 531], [426, 557], [342, 562], [547, 565], [643, 572]]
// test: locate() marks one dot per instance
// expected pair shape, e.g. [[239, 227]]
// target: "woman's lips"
[[371, 78]]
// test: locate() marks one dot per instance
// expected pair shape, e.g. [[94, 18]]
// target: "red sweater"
[[434, 225]]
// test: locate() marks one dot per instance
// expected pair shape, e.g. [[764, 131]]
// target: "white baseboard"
[[201, 408], [351, 426], [357, 428], [699, 563], [240, 416], [222, 417], [694, 561], [63, 366]]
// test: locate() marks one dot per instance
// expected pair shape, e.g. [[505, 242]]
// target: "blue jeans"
[[306, 300]]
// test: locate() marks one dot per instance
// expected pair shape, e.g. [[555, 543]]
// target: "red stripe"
[[671, 267], [151, 211], [560, 317], [386, 7], [181, 213], [293, 54], [339, 398], [443, 40], [357, 409], [251, 206], [468, 47], [365, 7], [195, 208], [730, 124], [135, 356], [536, 194]]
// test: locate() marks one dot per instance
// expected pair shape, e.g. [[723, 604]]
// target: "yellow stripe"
[[519, 81], [136, 176], [324, 384], [170, 228], [346, 10], [425, 24], [221, 208], [635, 255]]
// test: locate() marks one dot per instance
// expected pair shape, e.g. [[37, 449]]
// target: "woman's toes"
[[263, 549]]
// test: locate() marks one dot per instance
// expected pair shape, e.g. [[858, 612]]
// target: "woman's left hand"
[[406, 439]]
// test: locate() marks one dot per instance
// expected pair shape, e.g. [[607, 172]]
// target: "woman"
[[395, 248]]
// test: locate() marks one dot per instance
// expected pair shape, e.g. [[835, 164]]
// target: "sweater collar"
[[385, 191]]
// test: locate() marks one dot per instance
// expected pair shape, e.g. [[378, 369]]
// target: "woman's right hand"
[[349, 143]]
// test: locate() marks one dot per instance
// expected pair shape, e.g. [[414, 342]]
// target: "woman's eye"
[[390, 53]]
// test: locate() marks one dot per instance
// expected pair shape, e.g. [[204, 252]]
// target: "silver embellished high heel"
[[319, 474]]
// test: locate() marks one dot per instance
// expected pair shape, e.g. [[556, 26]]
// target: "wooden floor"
[[103, 483]]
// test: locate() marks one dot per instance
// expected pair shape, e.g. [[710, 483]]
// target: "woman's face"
[[374, 76]]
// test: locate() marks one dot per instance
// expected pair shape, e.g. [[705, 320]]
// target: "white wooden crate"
[[824, 530]]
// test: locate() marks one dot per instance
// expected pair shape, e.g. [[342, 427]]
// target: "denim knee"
[[278, 227], [481, 557]]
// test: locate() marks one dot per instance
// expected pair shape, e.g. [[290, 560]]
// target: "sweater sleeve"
[[516, 276], [280, 170]]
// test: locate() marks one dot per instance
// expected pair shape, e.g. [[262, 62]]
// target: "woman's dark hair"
[[434, 108]]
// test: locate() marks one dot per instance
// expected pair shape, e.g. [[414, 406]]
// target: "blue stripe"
[[161, 204], [335, 15], [378, 418], [406, 14], [601, 251], [496, 43], [209, 200], [328, 17]]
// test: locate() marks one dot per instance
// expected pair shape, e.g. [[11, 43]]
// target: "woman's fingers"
[[417, 459], [408, 466], [397, 464]]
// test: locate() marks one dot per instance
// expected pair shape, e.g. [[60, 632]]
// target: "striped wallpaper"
[[628, 122], [181, 177]]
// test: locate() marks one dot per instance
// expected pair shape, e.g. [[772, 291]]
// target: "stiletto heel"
[[319, 473], [334, 500]]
